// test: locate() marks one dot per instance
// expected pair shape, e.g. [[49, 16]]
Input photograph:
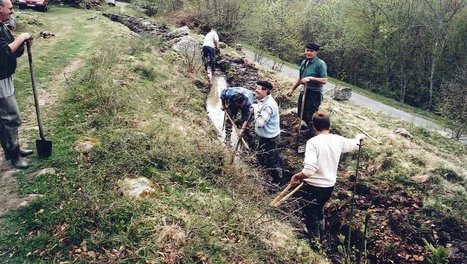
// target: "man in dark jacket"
[[10, 49]]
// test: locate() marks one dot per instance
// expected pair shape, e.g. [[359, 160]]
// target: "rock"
[[403, 133], [420, 178], [41, 172], [188, 46], [136, 187], [177, 33], [85, 144], [342, 93]]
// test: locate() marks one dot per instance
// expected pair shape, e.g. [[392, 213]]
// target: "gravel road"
[[361, 100]]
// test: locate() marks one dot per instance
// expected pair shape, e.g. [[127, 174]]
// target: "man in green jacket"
[[313, 75], [10, 49]]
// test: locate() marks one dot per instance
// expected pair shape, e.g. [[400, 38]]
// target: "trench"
[[213, 107]]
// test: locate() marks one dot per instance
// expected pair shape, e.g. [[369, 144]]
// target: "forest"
[[412, 51]]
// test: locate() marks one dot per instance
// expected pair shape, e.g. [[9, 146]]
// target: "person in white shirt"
[[210, 44], [319, 172]]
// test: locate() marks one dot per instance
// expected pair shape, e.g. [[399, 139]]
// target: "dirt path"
[[66, 24], [371, 104]]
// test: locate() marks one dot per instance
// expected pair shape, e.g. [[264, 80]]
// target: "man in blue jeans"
[[210, 44]]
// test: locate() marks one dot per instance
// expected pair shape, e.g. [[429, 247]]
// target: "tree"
[[453, 102]]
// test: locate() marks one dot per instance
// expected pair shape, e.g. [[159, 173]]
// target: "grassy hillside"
[[132, 96], [129, 94]]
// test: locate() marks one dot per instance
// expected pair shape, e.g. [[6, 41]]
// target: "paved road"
[[361, 100]]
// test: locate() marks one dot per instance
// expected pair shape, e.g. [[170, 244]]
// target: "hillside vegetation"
[[133, 97]]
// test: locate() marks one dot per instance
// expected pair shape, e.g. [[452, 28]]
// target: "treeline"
[[410, 50]]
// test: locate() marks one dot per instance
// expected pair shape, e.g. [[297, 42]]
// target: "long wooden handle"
[[289, 195], [280, 195], [236, 129], [34, 93]]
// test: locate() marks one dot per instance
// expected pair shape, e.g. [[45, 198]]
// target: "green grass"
[[149, 120]]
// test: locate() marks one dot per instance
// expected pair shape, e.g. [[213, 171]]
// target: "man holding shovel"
[[313, 75], [10, 49], [236, 99], [267, 128], [320, 172]]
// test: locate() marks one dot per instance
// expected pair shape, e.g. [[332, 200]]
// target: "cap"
[[265, 84]]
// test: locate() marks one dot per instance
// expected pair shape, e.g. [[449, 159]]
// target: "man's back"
[[211, 39]]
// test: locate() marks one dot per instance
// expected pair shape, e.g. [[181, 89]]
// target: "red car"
[[41, 5]]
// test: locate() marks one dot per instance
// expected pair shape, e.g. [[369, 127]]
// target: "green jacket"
[[316, 68]]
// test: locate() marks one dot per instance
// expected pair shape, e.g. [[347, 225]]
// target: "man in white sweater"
[[210, 44], [320, 171]]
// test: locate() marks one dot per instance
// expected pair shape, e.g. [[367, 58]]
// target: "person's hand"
[[305, 80], [290, 92], [25, 37], [252, 110], [360, 136], [297, 178]]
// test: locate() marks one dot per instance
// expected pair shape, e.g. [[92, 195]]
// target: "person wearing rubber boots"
[[319, 172], [313, 75], [267, 128], [10, 49]]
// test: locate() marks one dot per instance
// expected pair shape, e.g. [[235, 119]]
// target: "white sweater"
[[210, 39], [322, 158]]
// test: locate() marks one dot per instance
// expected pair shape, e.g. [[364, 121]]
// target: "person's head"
[[239, 99], [321, 121], [6, 10], [311, 50], [263, 89]]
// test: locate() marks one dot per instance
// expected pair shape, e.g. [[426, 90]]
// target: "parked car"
[[41, 5]]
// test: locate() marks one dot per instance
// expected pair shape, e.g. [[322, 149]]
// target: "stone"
[[420, 178], [136, 187]]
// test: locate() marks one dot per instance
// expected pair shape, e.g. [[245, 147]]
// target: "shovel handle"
[[301, 116], [33, 82], [236, 129], [289, 195], [280, 195]]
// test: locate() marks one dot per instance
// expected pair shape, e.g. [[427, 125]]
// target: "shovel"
[[43, 146]]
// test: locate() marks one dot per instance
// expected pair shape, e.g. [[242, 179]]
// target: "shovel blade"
[[44, 148]]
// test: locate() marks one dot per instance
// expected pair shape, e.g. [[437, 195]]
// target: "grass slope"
[[149, 120]]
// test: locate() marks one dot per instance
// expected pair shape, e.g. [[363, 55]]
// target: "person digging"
[[235, 99], [319, 172]]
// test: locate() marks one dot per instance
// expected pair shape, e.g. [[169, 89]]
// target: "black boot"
[[19, 163], [22, 153]]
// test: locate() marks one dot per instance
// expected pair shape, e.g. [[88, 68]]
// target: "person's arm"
[[351, 144], [318, 80], [297, 83], [263, 117], [19, 41]]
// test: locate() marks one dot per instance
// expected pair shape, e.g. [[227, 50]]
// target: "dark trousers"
[[313, 201], [9, 122], [313, 100], [232, 111], [268, 156], [209, 58]]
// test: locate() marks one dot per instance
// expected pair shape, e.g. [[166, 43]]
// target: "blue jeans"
[[209, 57]]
